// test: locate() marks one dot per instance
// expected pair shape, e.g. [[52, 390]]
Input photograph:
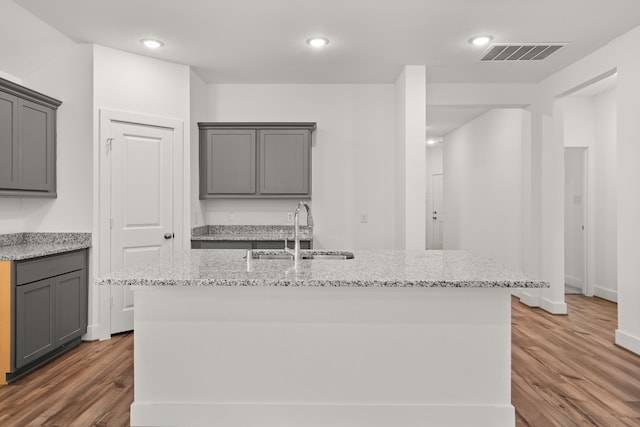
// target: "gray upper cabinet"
[[285, 163], [8, 141], [27, 142], [255, 160], [229, 158]]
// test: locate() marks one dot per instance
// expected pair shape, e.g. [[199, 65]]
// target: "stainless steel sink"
[[304, 255]]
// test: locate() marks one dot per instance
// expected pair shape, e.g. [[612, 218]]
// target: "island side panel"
[[237, 356]]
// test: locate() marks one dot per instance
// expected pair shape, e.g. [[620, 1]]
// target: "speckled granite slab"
[[19, 246], [249, 232], [385, 268]]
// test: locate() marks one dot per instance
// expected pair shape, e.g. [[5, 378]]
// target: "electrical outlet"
[[232, 217], [290, 216], [364, 217]]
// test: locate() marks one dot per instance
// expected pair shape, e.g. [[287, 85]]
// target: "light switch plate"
[[364, 217]]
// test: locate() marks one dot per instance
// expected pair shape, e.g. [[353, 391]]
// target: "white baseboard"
[[604, 293], [573, 281], [94, 332], [553, 307], [628, 341], [530, 300], [320, 415]]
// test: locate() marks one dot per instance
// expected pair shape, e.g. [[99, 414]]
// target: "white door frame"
[[103, 238]]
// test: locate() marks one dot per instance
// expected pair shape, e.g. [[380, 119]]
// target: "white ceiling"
[[263, 41]]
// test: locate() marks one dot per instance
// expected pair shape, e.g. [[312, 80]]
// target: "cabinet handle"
[[169, 235]]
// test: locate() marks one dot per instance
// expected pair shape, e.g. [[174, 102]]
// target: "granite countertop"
[[382, 268], [20, 246], [249, 232]]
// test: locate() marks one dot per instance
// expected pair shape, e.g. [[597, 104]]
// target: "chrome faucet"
[[296, 235]]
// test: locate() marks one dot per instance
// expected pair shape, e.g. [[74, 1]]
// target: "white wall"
[[482, 187], [606, 189], [198, 98], [353, 158], [400, 162], [19, 62], [67, 78]]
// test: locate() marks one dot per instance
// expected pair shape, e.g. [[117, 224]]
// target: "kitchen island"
[[388, 338]]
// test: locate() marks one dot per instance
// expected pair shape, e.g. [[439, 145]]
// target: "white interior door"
[[575, 212], [437, 215], [142, 205]]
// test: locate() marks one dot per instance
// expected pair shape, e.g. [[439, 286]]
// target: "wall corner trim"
[[627, 341]]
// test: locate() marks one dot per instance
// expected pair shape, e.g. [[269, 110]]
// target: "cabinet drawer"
[[53, 265]]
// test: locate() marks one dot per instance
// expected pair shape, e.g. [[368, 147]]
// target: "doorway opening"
[[575, 220], [590, 139]]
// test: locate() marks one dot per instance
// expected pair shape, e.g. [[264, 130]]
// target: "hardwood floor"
[[91, 385], [566, 372]]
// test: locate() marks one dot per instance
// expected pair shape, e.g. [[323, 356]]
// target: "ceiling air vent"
[[520, 51]]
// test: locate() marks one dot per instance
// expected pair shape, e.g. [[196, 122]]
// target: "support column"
[[410, 201]]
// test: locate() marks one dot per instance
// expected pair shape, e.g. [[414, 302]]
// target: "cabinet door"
[[35, 329], [228, 162], [71, 306], [8, 141], [36, 150], [285, 167]]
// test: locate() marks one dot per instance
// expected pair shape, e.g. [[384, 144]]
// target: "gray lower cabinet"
[[255, 160], [221, 244], [35, 322], [50, 310], [246, 244], [27, 142]]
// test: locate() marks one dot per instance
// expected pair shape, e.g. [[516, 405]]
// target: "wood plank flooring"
[[566, 372], [91, 385]]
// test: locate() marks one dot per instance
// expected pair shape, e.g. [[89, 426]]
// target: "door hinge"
[[111, 223]]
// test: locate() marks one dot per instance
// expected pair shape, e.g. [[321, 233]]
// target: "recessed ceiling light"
[[480, 40], [318, 41], [151, 43]]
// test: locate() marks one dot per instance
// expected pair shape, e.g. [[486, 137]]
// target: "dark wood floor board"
[[566, 371]]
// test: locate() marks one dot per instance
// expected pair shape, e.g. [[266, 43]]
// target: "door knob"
[[168, 235]]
